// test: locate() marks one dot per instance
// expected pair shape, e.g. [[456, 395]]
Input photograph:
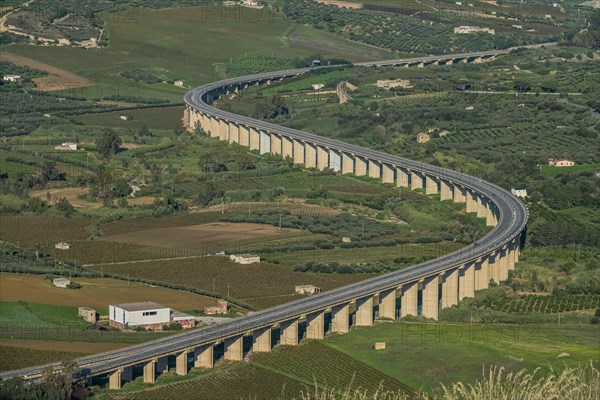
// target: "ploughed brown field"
[[191, 237]]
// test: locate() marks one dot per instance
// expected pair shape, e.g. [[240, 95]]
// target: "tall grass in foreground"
[[495, 384]]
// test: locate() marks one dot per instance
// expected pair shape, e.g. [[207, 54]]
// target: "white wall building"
[[12, 78], [519, 192], [244, 258], [147, 314], [61, 282]]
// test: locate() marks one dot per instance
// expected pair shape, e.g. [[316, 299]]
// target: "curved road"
[[510, 212]]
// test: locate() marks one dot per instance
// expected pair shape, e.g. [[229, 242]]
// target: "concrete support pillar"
[[494, 263], [471, 202], [503, 269], [181, 363], [204, 357], [287, 147], [482, 277], [460, 194], [261, 340], [511, 256], [254, 139], [205, 123], [298, 152], [481, 209], [234, 133], [347, 164], [275, 144], [224, 130], [387, 304], [450, 288], [150, 371], [310, 159], [466, 281], [374, 169], [315, 325], [215, 127], [360, 166], [431, 185], [387, 174], [244, 136], [416, 181], [445, 190], [517, 248], [364, 311], [322, 158], [289, 333], [234, 348], [114, 379], [409, 299], [430, 293], [340, 318], [490, 220], [402, 179]]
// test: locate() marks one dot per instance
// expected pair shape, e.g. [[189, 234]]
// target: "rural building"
[[307, 289], [147, 314], [379, 345], [178, 83], [12, 78], [394, 83], [444, 133], [318, 86], [244, 258], [185, 320], [66, 146], [465, 29], [62, 246], [519, 192], [423, 137], [126, 117], [88, 314], [61, 282], [220, 308], [346, 239], [552, 162]]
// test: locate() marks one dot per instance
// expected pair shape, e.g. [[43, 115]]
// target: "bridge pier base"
[[289, 333], [364, 311], [387, 304], [204, 357], [466, 281], [150, 371], [409, 299], [181, 363], [315, 325], [261, 340], [430, 306], [450, 289], [340, 318], [234, 350]]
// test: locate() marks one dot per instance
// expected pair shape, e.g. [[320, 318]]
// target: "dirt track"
[[57, 79]]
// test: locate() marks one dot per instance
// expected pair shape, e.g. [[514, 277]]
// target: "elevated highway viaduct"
[[439, 283]]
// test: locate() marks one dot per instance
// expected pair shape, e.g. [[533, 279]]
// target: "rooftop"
[[140, 306]]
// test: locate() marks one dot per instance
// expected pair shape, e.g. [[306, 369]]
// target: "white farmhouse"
[[519, 192], [244, 258], [61, 282]]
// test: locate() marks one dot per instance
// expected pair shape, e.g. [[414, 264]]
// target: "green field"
[[39, 316], [428, 355], [550, 172], [163, 118], [180, 51]]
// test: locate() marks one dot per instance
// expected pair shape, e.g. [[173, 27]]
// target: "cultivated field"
[[29, 230], [165, 118], [57, 79], [262, 285], [192, 237], [95, 293]]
